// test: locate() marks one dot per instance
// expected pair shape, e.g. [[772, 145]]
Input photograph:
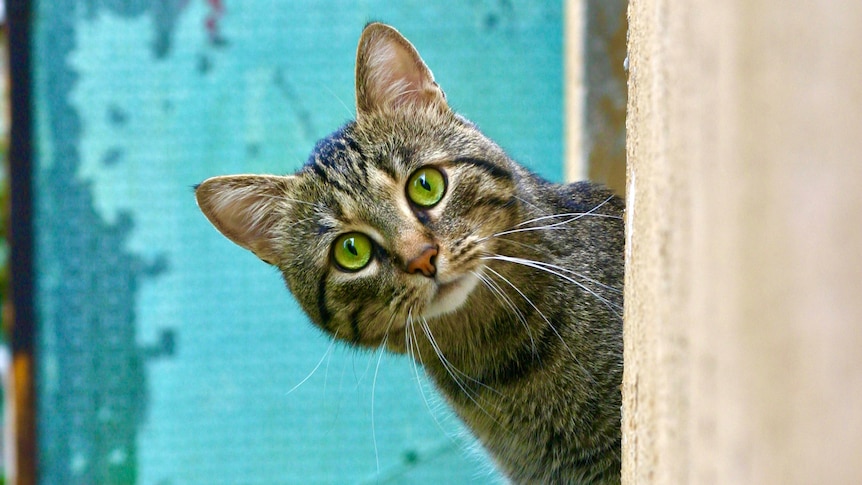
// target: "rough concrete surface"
[[744, 263]]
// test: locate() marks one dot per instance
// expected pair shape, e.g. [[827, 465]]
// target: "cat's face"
[[390, 217]]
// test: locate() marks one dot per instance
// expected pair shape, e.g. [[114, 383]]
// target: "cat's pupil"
[[424, 183], [351, 247]]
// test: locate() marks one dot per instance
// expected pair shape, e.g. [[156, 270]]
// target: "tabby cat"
[[409, 229]]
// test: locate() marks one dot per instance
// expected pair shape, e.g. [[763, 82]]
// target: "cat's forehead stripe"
[[337, 159], [491, 169]]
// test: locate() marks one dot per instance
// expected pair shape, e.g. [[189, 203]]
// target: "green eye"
[[426, 187], [352, 251]]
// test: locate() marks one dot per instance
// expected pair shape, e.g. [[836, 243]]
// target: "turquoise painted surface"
[[169, 355]]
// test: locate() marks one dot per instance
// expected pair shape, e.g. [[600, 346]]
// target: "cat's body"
[[409, 229]]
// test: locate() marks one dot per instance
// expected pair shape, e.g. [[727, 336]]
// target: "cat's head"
[[389, 218]]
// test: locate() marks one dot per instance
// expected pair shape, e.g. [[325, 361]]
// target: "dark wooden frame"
[[19, 310]]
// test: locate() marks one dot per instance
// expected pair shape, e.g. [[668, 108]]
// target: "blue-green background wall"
[[166, 354]]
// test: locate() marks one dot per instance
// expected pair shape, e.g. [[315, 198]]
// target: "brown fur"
[[531, 359]]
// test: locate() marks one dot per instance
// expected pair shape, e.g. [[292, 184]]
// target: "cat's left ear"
[[246, 208], [390, 75]]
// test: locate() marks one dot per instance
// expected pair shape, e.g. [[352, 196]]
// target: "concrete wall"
[[743, 334]]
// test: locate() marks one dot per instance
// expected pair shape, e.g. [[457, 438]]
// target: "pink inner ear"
[[239, 212], [242, 207], [394, 78], [394, 75]]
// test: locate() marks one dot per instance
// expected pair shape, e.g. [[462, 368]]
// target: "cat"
[[409, 229]]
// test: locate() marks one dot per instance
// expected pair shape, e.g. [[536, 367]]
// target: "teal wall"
[[167, 354]]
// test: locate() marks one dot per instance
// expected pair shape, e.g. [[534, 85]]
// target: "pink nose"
[[424, 263]]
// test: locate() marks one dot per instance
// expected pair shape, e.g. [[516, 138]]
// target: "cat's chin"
[[450, 296]]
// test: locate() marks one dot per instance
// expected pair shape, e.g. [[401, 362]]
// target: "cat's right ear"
[[390, 75], [245, 209]]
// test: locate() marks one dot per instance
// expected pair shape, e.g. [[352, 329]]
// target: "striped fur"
[[520, 326]]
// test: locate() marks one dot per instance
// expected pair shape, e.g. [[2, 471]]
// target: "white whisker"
[[561, 268], [452, 371], [578, 214], [548, 322], [557, 226], [347, 110], [492, 285], [373, 388], [614, 308], [581, 276], [410, 329], [573, 216], [322, 358]]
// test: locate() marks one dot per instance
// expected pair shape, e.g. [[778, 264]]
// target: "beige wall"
[[743, 334]]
